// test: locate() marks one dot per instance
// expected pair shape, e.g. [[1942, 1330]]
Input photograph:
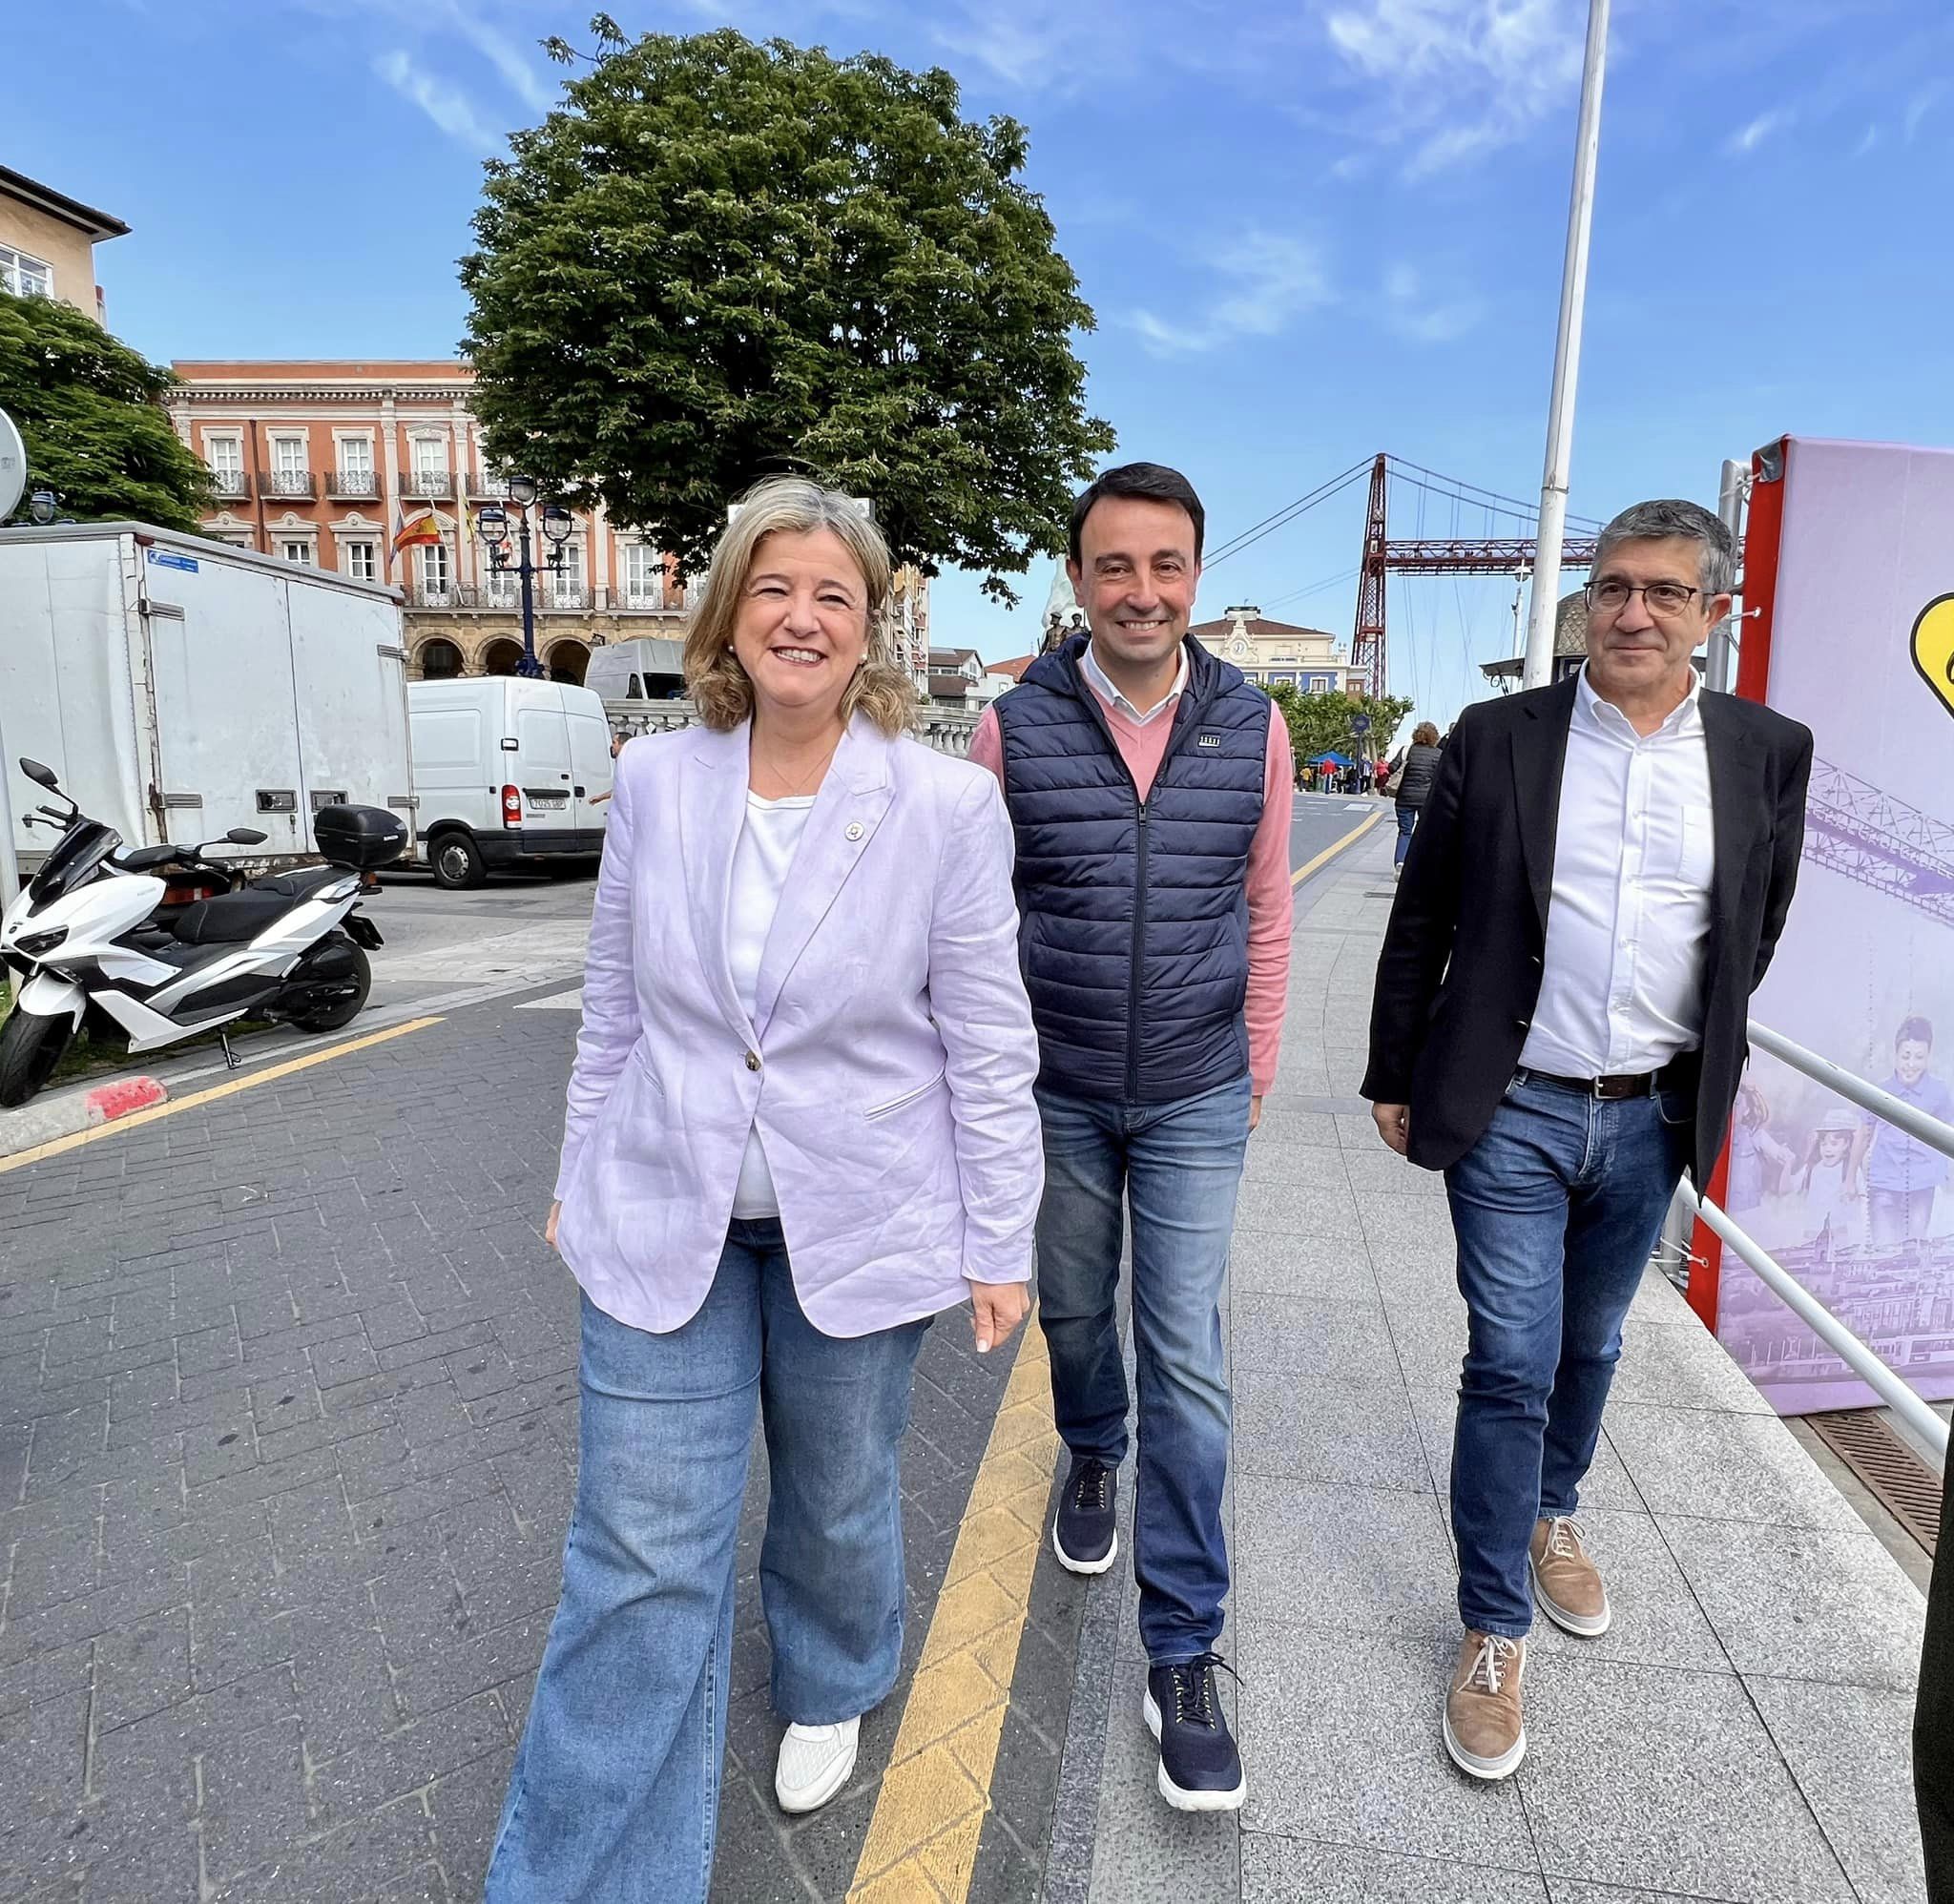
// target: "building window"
[[567, 584], [356, 559], [226, 457], [428, 467], [24, 276], [1321, 683], [431, 570], [644, 576], [296, 550], [503, 585], [288, 455], [356, 463]]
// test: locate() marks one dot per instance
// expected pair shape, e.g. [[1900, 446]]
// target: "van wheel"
[[458, 863], [31, 1046]]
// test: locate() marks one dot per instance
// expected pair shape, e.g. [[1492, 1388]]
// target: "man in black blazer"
[[1594, 890]]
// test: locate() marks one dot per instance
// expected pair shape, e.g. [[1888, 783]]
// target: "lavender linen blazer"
[[888, 1063]]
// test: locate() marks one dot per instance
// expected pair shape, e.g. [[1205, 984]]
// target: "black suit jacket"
[[1460, 972]]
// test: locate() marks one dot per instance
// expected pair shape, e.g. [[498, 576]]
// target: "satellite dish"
[[13, 465]]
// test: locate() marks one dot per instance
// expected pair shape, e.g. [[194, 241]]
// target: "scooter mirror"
[[41, 777], [245, 836]]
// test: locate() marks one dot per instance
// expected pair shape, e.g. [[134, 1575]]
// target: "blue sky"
[[1310, 229]]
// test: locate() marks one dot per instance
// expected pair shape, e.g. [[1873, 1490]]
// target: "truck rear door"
[[219, 651], [349, 672], [590, 765]]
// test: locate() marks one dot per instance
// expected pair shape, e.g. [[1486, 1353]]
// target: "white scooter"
[[83, 937]]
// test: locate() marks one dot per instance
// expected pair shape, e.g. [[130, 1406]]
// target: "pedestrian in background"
[[1150, 786], [1594, 890], [801, 1124], [1413, 787]]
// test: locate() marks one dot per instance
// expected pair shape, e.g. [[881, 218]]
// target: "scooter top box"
[[359, 837]]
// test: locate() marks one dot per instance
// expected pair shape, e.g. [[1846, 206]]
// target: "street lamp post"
[[555, 526]]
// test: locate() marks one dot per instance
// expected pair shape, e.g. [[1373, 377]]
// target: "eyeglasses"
[[1663, 598]]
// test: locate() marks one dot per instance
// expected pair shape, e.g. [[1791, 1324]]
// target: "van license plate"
[[549, 802]]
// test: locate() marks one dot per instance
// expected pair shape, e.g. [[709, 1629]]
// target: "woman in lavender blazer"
[[801, 1124]]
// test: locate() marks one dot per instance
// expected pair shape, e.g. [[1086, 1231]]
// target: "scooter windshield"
[[74, 861]]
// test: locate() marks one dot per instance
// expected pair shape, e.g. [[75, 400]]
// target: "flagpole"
[[1544, 612]]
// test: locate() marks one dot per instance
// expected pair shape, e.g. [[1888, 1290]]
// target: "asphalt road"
[[1322, 820]]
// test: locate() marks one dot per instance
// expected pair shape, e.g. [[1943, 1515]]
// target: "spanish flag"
[[424, 529]]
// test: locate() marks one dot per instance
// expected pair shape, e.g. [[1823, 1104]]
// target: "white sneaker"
[[815, 1764]]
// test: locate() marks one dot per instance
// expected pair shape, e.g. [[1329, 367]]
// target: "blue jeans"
[[1556, 1209], [616, 1792], [1407, 825], [1178, 1166]]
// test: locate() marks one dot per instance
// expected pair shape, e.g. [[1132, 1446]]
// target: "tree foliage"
[[90, 411], [1320, 724], [720, 260]]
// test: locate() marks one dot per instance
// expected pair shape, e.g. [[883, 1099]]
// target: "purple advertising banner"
[[1861, 650]]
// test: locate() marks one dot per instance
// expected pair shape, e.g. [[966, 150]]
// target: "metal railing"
[[293, 483], [1857, 1356], [230, 486], [353, 486], [428, 485]]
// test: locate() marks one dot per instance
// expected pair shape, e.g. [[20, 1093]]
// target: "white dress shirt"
[[1622, 989], [761, 861], [1098, 679]]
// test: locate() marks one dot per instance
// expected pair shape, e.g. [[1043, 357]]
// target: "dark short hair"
[[1914, 1031], [1152, 482], [1671, 517]]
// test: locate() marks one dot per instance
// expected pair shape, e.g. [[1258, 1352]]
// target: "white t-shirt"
[[761, 864]]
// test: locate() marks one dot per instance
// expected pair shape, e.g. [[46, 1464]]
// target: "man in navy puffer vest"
[[1150, 786]]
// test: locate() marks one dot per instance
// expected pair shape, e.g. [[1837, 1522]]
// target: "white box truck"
[[508, 773], [180, 688]]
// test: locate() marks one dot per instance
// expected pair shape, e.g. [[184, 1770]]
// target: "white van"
[[646, 668], [507, 772]]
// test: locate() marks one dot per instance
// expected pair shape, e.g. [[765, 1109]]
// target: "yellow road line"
[[921, 1842], [57, 1146], [1329, 853]]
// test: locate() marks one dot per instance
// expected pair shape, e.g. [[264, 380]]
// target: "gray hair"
[[1673, 519]]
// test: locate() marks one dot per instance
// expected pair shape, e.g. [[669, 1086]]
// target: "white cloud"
[[1273, 280], [1456, 78], [1424, 320], [447, 105], [1920, 105], [1746, 140], [1867, 142], [506, 57]]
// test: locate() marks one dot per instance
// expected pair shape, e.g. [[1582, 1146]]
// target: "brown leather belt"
[[1623, 1084]]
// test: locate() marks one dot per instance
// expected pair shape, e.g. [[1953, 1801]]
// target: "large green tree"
[[90, 411], [719, 260], [1320, 724]]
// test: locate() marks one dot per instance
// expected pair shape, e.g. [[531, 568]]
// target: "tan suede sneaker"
[[1484, 1731], [1565, 1581]]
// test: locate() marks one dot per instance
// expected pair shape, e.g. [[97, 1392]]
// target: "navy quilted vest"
[[1134, 918]]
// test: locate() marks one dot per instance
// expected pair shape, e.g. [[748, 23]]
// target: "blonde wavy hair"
[[791, 505]]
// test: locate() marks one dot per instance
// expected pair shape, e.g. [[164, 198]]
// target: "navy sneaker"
[[1083, 1532], [1201, 1768]]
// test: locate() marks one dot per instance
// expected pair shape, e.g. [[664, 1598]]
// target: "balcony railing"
[[296, 484], [230, 486], [554, 600], [428, 485], [488, 489], [354, 485]]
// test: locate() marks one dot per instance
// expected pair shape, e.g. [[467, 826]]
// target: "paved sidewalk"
[[1741, 1733]]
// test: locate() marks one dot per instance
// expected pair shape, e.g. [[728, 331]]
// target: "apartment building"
[[1309, 659], [48, 243], [322, 463]]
